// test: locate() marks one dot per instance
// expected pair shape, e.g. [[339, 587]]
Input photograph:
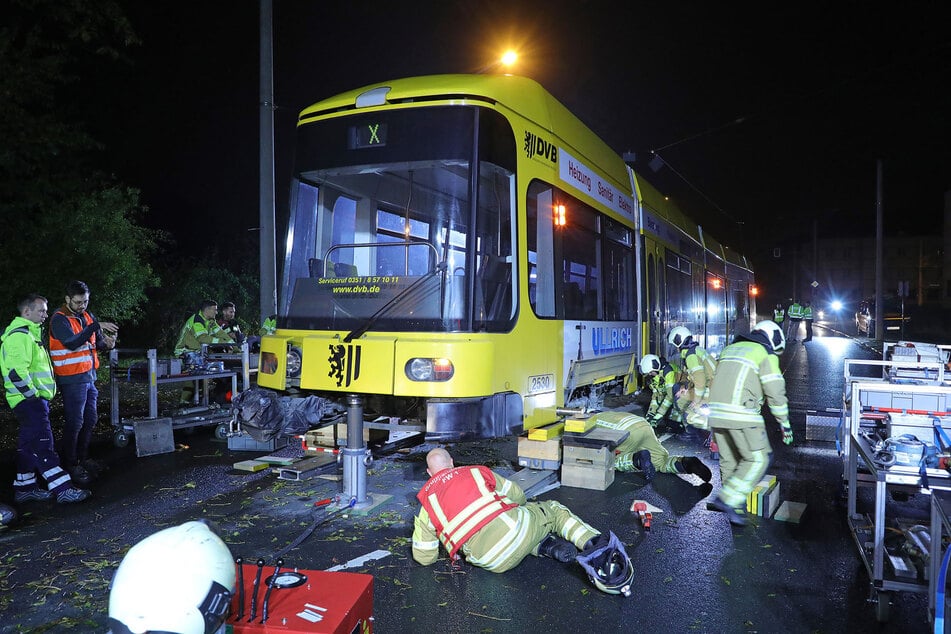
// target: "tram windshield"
[[392, 229]]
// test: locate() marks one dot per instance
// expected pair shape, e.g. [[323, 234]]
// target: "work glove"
[[787, 433]]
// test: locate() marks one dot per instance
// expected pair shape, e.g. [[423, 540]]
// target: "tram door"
[[656, 305]]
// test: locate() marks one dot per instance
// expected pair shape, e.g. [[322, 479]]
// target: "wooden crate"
[[586, 477], [593, 457]]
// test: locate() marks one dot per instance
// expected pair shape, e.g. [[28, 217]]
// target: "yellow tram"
[[463, 252]]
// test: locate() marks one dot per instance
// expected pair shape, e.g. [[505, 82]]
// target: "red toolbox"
[[304, 601]]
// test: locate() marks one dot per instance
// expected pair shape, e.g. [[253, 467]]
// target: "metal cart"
[[153, 373], [906, 399], [940, 526]]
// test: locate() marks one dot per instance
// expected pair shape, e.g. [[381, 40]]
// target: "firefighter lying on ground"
[[641, 451], [483, 517]]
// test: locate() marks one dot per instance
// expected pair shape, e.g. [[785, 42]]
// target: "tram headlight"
[[294, 362], [425, 369]]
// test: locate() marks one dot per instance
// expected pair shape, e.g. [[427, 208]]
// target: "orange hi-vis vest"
[[460, 501], [68, 362]]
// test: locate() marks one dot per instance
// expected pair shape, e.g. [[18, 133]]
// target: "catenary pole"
[[266, 247]]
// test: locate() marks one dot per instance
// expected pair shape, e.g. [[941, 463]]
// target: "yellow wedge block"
[[250, 465], [547, 432], [580, 425]]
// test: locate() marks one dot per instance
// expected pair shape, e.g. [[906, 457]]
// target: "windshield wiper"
[[356, 333]]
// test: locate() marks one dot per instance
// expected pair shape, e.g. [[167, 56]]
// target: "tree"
[[62, 218]]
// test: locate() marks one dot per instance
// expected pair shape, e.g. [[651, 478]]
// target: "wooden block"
[[369, 435], [579, 425], [596, 478], [770, 501], [280, 460], [547, 432], [599, 458], [250, 465], [541, 449]]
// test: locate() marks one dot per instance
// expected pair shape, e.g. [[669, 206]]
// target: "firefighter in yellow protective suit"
[[661, 377], [200, 328], [484, 517], [697, 367], [748, 372], [641, 451], [478, 513]]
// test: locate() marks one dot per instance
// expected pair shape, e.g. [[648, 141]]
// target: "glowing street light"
[[507, 60]]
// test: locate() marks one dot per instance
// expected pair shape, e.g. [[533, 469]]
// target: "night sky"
[[775, 116]]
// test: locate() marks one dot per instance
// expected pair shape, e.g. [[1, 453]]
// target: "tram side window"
[[679, 295], [580, 263]]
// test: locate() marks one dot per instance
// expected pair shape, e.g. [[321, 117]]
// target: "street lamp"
[[507, 60]]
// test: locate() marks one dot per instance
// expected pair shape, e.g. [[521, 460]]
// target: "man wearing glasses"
[[75, 337]]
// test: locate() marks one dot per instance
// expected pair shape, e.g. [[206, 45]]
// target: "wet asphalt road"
[[693, 572]]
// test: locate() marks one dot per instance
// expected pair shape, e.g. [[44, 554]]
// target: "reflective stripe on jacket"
[[699, 367], [662, 391], [807, 312], [197, 331], [68, 362], [795, 311], [460, 501], [746, 374], [25, 365]]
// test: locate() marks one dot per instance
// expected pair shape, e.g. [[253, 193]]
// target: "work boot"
[[558, 549], [695, 466], [7, 515], [32, 495], [642, 460], [737, 517], [72, 495]]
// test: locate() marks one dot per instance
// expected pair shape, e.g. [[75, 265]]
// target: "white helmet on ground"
[[650, 363], [180, 580], [773, 332], [678, 336]]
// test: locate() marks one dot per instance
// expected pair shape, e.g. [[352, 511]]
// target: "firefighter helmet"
[[650, 363], [180, 579], [774, 333], [607, 565], [679, 337]]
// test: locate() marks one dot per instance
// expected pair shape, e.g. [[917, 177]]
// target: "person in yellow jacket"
[[201, 328], [485, 517], [29, 385], [794, 313], [642, 452], [747, 374], [479, 515], [661, 377], [697, 367]]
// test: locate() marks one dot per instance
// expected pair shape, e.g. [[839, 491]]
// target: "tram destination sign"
[[367, 135]]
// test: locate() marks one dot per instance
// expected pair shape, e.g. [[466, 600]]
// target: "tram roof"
[[521, 95]]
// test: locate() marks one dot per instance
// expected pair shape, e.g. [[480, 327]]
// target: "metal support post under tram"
[[355, 456]]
